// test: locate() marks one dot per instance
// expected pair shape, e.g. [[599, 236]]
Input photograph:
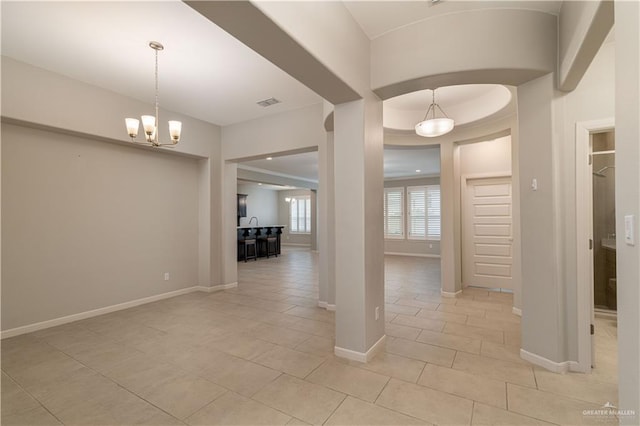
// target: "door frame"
[[584, 232], [463, 196]]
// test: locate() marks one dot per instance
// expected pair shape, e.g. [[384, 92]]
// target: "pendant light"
[[150, 122], [433, 126]]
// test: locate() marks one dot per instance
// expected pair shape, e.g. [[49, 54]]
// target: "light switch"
[[534, 184], [629, 226]]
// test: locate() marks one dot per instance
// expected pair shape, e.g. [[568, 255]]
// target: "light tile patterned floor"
[[263, 354]]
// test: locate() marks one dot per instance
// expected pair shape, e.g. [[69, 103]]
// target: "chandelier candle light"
[[150, 122], [432, 127]]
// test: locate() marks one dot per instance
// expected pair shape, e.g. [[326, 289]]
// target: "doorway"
[[596, 247], [604, 223], [487, 233]]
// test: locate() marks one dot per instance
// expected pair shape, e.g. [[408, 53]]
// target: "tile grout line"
[[109, 379], [33, 396], [336, 409]]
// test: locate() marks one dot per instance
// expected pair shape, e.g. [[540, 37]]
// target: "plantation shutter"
[[393, 213]]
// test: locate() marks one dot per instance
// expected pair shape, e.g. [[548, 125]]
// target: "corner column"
[[359, 254], [450, 286], [326, 225]]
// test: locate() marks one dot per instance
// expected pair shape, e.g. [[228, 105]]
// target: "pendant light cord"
[[156, 74]]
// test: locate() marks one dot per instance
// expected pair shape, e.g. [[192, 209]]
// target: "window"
[[423, 205], [300, 214], [394, 213]]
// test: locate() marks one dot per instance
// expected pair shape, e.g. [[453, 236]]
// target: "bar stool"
[[250, 243], [272, 246]]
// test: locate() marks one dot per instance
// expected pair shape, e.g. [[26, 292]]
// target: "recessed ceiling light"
[[259, 183], [418, 170], [269, 158]]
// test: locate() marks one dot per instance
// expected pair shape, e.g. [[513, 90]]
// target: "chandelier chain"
[[156, 100]]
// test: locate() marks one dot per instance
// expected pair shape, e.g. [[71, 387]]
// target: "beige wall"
[[289, 132], [627, 106], [526, 40], [547, 120], [88, 224], [582, 28], [492, 156], [34, 98], [597, 83], [261, 203]]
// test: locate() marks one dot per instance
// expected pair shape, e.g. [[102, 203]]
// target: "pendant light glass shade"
[[132, 126], [175, 127], [433, 126]]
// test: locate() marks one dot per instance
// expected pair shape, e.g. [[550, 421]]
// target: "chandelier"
[[432, 127], [150, 122]]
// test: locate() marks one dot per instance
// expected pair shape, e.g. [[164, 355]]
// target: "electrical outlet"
[[166, 276], [377, 313]]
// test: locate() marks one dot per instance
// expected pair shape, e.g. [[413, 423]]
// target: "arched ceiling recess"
[[465, 104]]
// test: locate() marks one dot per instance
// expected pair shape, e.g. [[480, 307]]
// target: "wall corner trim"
[[450, 294], [516, 311], [556, 367], [361, 356]]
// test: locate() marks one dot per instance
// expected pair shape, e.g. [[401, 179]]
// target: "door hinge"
[[593, 329], [590, 244], [590, 159]]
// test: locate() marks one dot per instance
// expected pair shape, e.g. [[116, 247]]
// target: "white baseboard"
[[556, 367], [449, 294], [327, 306], [391, 253], [361, 356], [108, 309], [217, 287], [295, 245], [516, 311]]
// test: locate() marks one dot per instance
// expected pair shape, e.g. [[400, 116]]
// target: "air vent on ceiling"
[[268, 102]]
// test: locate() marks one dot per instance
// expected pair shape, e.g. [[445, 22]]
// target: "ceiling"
[[204, 72], [399, 162]]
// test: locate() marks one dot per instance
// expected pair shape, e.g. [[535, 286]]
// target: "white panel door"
[[487, 233]]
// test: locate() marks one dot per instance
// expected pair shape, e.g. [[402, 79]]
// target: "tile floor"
[[263, 354]]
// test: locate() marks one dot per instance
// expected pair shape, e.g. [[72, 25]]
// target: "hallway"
[[263, 354]]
